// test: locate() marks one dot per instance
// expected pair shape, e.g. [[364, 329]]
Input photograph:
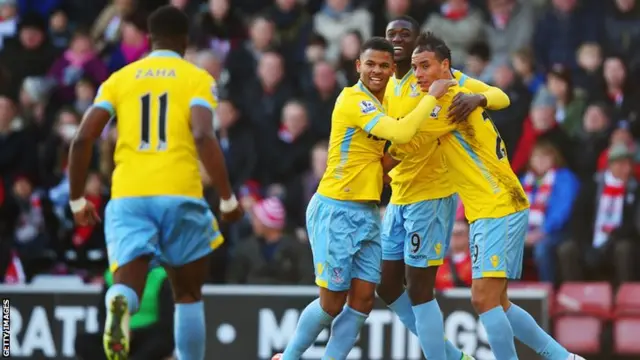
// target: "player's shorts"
[[497, 246], [173, 230], [419, 233], [345, 240]]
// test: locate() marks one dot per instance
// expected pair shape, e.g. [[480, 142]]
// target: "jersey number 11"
[[145, 114]]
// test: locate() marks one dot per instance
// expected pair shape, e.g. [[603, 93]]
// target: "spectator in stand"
[[242, 62], [552, 189], [263, 97], [320, 99], [60, 29], [220, 28], [336, 19], [478, 61], [106, 29], [18, 150], [607, 225], [237, 142], [589, 60], [28, 55], [593, 139], [134, 43], [455, 271], [8, 20], [349, 52], [33, 102], [53, 160], [570, 104], [151, 326], [524, 65], [510, 27], [392, 10], [541, 125], [85, 92], [621, 136], [270, 256], [286, 153], [79, 61], [459, 24], [293, 27], [561, 30], [622, 29], [302, 188]]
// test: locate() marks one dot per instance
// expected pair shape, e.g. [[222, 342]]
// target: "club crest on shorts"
[[367, 107], [436, 111], [336, 277], [495, 260]]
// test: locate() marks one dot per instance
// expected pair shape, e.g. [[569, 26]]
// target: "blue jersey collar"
[[164, 53]]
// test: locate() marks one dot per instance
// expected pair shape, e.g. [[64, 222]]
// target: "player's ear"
[[446, 65], [358, 65]]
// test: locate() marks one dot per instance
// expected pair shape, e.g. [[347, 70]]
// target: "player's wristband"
[[78, 204], [228, 205]]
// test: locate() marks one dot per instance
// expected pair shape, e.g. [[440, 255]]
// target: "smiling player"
[[418, 222], [495, 205], [342, 217]]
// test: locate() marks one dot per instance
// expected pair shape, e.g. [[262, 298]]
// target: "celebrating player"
[[495, 205], [418, 222], [163, 106], [342, 217]]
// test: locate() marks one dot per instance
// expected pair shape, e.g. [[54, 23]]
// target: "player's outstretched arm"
[[93, 122], [485, 96], [401, 131]]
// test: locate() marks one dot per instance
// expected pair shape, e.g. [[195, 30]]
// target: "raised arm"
[[401, 131], [494, 98]]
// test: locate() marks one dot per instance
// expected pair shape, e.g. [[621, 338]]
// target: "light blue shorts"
[[173, 230], [418, 233], [345, 240], [497, 246]]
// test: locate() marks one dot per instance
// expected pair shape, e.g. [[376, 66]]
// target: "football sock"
[[531, 334], [430, 328], [127, 292], [403, 308], [189, 331], [312, 320], [499, 333], [344, 333]]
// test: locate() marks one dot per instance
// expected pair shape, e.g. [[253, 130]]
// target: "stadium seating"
[[626, 327], [580, 313], [548, 287]]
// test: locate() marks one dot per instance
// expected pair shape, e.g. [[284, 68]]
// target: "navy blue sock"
[[311, 322], [499, 333], [430, 326], [531, 334], [344, 333], [127, 292], [189, 331]]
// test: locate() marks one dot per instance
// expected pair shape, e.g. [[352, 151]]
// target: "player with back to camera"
[[164, 108], [495, 205], [418, 223], [343, 217]]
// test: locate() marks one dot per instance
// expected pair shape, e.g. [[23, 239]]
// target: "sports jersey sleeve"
[[496, 98], [106, 98], [206, 93], [430, 131], [375, 122]]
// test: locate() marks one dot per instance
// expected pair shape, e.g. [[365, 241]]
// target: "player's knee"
[[486, 295], [420, 284], [332, 302], [389, 291], [187, 296], [363, 303]]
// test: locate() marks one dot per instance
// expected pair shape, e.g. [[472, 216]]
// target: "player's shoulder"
[[354, 99]]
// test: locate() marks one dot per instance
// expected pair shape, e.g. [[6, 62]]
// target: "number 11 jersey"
[[151, 99]]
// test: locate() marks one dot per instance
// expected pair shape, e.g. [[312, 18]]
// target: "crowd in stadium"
[[571, 131]]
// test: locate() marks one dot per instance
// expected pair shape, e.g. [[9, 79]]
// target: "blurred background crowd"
[[572, 129]]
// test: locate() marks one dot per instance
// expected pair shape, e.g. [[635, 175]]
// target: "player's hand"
[[440, 87], [87, 215], [232, 216], [463, 105]]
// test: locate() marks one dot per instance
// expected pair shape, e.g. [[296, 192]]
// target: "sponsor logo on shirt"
[[367, 107]]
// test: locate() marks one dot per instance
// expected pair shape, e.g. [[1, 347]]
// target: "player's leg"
[[129, 236], [189, 234], [490, 244], [525, 328], [391, 289], [329, 229], [365, 273], [427, 227]]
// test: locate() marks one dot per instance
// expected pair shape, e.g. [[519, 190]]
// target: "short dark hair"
[[415, 26], [168, 22], [377, 43], [481, 50], [428, 41]]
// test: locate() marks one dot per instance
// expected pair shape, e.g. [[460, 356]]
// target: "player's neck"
[[402, 68]]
